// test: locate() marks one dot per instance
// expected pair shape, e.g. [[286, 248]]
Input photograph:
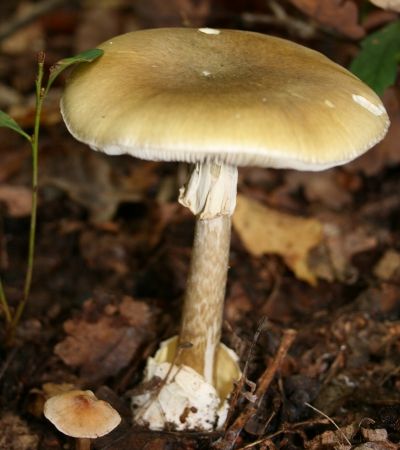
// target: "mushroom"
[[81, 415], [218, 99]]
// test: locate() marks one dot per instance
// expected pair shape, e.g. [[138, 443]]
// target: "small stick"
[[8, 361], [264, 382], [267, 377], [287, 428], [281, 18], [330, 420], [240, 384]]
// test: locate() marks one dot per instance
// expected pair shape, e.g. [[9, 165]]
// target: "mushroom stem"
[[205, 293], [83, 444], [211, 195]]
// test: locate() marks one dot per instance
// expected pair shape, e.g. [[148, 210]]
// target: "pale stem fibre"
[[211, 195]]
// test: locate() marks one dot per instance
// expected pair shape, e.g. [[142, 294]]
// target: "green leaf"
[[60, 66], [376, 64], [8, 122]]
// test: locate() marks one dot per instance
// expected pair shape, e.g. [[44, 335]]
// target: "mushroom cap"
[[228, 96], [81, 415]]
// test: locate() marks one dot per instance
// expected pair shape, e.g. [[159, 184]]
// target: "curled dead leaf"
[[101, 343], [264, 230], [388, 267], [94, 181], [18, 200], [338, 439], [377, 446], [374, 435]]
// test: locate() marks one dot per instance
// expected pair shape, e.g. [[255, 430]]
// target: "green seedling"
[[13, 316]]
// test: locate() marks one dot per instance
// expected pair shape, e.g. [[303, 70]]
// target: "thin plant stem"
[[4, 304], [331, 421], [32, 230]]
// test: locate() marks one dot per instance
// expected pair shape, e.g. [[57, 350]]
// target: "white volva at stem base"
[[183, 400]]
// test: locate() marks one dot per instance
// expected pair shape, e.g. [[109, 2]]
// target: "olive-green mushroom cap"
[[234, 97]]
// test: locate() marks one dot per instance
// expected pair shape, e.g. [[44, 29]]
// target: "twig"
[[4, 304], [280, 18], [330, 420], [37, 10], [287, 428], [271, 436], [264, 382], [7, 362], [335, 366], [240, 384]]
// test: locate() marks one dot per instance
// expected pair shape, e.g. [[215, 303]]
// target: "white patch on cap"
[[329, 104], [377, 110], [209, 30], [206, 73]]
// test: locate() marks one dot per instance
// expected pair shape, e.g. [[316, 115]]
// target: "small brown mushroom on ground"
[[218, 99], [81, 415]]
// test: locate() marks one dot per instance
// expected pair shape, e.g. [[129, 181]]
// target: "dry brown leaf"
[[341, 15], [264, 230], [393, 5], [377, 446], [18, 200], [335, 440], [90, 179], [15, 434], [388, 267], [24, 111], [378, 18], [343, 244], [101, 344], [108, 252], [374, 435], [344, 237], [323, 187]]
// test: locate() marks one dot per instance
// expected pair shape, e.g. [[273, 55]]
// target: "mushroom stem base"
[[177, 397]]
